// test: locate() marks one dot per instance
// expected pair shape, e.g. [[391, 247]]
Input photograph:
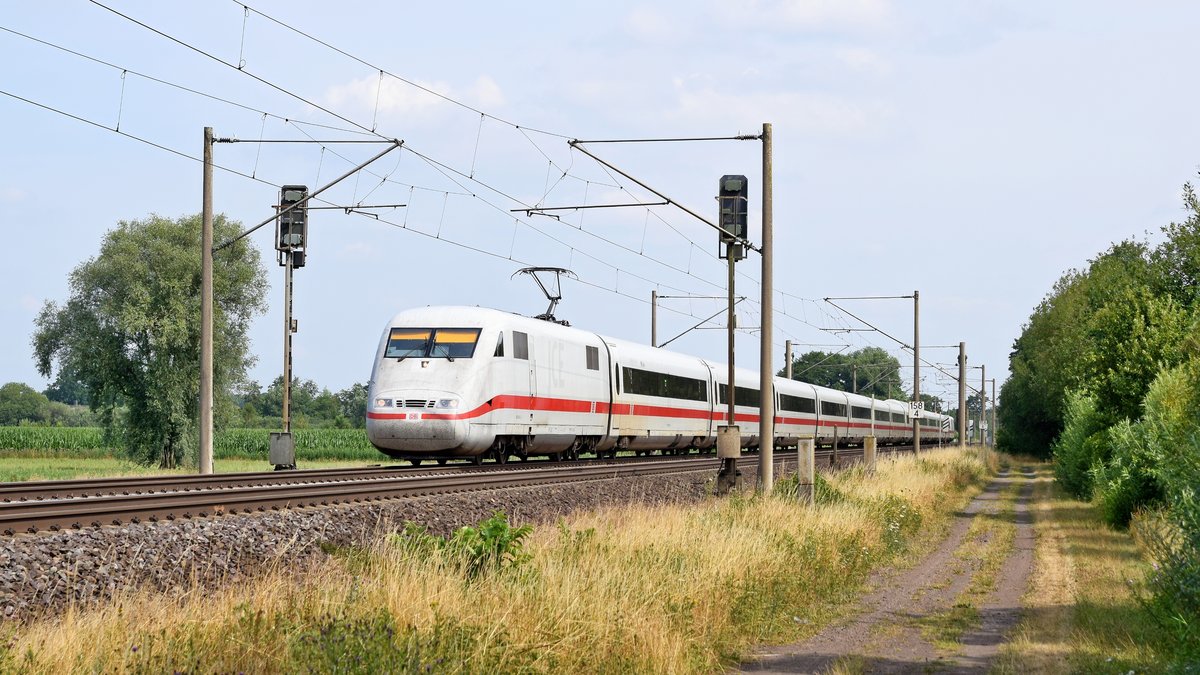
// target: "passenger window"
[[499, 344], [593, 358], [520, 345]]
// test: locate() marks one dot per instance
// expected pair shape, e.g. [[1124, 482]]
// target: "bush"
[[492, 546], [1172, 419], [1080, 445], [1126, 481]]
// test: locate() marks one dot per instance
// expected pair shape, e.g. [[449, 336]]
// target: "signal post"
[[732, 201], [291, 240]]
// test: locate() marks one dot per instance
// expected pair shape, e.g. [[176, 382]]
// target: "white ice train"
[[469, 382]]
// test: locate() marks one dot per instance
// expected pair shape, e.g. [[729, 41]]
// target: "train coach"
[[476, 383]]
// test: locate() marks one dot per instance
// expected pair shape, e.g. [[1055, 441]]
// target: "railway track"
[[95, 503]]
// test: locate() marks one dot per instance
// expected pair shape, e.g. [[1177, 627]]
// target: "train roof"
[[472, 317]]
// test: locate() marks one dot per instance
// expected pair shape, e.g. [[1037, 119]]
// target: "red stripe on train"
[[539, 403]]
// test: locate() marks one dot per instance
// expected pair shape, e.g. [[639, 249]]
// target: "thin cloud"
[[811, 112], [812, 15], [390, 97]]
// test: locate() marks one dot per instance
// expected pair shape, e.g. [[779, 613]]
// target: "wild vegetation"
[[1106, 379], [627, 589]]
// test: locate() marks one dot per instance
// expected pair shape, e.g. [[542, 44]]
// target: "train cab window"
[[858, 412], [797, 403], [520, 345], [593, 358], [446, 343], [454, 343], [499, 344]]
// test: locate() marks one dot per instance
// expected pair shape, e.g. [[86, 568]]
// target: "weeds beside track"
[[625, 589]]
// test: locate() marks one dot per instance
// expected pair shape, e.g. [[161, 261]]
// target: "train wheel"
[[441, 461], [477, 460], [501, 457], [415, 462]]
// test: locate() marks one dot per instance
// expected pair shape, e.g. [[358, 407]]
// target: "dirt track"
[[949, 613]]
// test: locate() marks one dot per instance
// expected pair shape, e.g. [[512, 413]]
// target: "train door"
[[713, 407], [522, 351]]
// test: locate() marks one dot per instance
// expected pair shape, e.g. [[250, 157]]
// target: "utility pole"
[[787, 354], [854, 378], [206, 311], [992, 425], [917, 369], [654, 318], [982, 403], [962, 393], [766, 382]]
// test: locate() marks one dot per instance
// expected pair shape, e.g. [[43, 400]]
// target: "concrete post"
[[766, 374], [992, 425], [833, 459], [962, 393], [916, 368], [206, 311], [654, 318], [869, 454], [982, 403], [787, 349], [806, 470]]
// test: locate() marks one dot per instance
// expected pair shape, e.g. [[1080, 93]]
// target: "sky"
[[971, 151]]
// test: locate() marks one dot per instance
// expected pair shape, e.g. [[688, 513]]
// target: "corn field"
[[311, 444]]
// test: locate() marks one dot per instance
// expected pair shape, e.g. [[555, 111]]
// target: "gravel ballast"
[[42, 574]]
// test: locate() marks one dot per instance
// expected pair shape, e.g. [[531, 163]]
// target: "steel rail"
[[120, 509]]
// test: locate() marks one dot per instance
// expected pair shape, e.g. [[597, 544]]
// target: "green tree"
[[21, 403], [1133, 336], [1051, 356], [131, 329], [353, 401], [870, 370], [1177, 260], [67, 388]]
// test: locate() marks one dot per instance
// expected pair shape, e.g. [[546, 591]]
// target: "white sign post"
[[915, 408]]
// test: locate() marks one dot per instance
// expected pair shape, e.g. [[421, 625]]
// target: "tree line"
[[250, 406], [1105, 378]]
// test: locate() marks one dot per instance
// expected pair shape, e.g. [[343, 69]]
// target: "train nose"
[[416, 421]]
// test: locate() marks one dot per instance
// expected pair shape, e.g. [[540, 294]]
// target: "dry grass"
[[629, 589], [1082, 613]]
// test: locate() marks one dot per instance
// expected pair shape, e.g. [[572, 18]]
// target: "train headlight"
[[383, 403], [447, 403]]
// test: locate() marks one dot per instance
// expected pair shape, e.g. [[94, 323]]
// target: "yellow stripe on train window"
[[403, 334], [445, 335]]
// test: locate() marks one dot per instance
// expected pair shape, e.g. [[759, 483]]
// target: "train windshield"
[[452, 343]]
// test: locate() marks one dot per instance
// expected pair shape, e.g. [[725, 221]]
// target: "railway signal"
[[291, 235], [291, 240], [732, 194]]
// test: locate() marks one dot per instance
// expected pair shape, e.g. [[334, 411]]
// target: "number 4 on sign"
[[915, 408]]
